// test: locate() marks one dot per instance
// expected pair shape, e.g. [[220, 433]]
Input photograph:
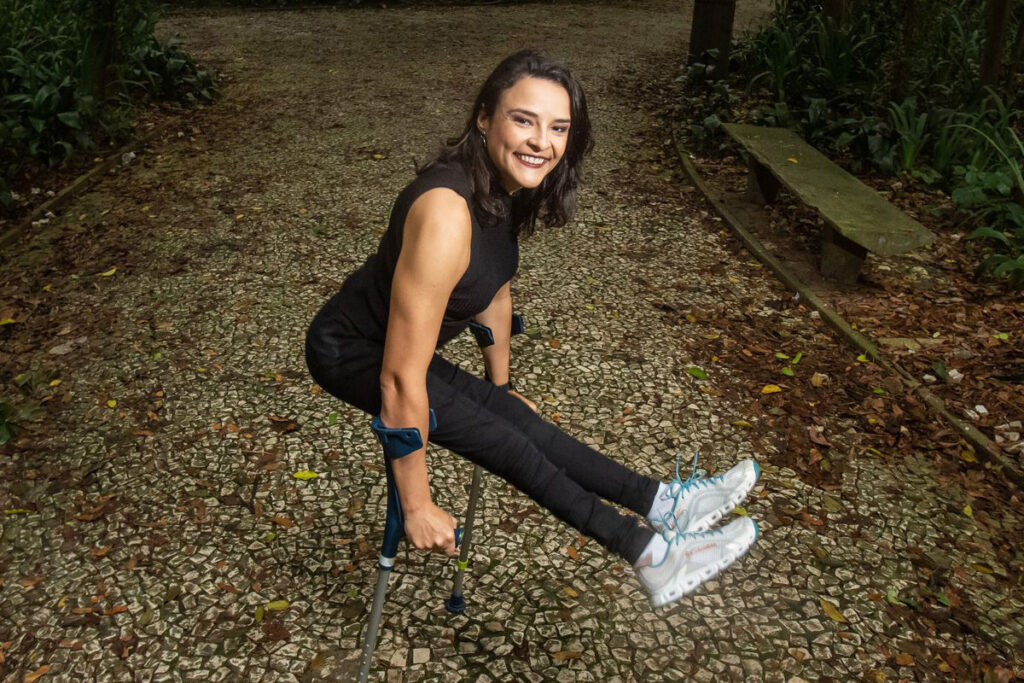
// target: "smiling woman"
[[447, 259]]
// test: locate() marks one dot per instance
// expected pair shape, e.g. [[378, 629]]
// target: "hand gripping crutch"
[[397, 442]]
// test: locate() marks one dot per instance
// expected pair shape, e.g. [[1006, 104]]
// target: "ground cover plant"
[[895, 90], [71, 76]]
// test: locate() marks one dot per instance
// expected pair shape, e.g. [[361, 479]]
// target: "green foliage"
[[897, 93], [711, 100], [48, 109]]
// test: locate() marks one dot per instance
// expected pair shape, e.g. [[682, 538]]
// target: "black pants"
[[498, 432]]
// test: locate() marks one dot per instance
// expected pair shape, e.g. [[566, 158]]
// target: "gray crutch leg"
[[456, 604]]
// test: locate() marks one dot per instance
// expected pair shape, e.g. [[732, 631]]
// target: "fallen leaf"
[[817, 379], [572, 552], [35, 675], [305, 475], [277, 605], [740, 510], [283, 521], [787, 371], [696, 372], [904, 659], [771, 389], [570, 592], [108, 273], [563, 655], [741, 423], [832, 611], [555, 344]]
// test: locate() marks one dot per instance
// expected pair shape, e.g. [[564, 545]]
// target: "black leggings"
[[498, 432]]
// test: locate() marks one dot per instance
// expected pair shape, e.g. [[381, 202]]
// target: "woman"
[[447, 259]]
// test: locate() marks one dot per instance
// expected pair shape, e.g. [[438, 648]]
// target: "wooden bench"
[[857, 218]]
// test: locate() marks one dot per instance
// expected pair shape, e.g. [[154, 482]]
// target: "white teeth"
[[531, 160]]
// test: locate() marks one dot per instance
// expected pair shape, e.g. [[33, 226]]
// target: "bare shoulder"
[[438, 231]]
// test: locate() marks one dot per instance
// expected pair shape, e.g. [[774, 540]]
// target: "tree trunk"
[[838, 11], [992, 59], [1018, 48], [712, 29], [99, 63]]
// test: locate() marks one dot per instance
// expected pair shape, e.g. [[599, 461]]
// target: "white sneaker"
[[697, 503], [692, 559]]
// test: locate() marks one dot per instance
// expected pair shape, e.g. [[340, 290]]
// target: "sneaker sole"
[[687, 583], [712, 518]]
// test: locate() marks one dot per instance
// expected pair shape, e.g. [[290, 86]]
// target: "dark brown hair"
[[553, 202]]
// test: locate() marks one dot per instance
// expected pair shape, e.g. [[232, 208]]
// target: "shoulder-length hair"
[[553, 202]]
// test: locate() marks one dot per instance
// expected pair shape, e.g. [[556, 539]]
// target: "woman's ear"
[[482, 121]]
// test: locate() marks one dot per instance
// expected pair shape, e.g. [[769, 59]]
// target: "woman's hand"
[[533, 406], [431, 528]]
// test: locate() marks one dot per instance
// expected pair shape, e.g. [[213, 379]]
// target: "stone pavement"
[[164, 532]]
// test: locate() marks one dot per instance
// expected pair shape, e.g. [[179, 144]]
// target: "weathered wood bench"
[[857, 218]]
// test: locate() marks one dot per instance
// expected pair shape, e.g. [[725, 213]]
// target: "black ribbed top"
[[365, 296]]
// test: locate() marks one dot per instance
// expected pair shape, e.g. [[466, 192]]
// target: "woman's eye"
[[520, 119], [562, 129]]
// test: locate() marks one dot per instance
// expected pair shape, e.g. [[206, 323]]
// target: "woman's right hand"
[[431, 528]]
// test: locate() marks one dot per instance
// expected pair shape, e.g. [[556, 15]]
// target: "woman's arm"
[[498, 317], [434, 255]]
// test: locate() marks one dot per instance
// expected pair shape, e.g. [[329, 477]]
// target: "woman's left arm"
[[498, 317]]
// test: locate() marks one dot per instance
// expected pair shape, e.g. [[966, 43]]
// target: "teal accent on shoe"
[[757, 473], [757, 530]]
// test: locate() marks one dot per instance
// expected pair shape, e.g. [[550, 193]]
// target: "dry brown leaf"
[[572, 552], [564, 655], [283, 521], [555, 344], [904, 659], [117, 609], [37, 674]]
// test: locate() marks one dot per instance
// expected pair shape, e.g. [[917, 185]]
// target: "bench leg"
[[841, 258], [762, 187]]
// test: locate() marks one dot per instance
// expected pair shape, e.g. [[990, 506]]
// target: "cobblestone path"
[[141, 557]]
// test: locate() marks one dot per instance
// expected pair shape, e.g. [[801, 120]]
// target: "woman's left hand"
[[525, 400]]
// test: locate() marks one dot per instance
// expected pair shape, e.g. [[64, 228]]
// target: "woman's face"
[[527, 135]]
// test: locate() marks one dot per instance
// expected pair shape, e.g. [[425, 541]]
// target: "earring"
[[483, 137]]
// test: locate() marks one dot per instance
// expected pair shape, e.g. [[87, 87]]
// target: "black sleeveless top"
[[365, 296]]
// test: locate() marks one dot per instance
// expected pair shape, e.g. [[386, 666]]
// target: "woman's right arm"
[[436, 241]]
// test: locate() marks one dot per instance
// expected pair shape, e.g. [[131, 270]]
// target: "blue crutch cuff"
[[400, 441], [483, 334]]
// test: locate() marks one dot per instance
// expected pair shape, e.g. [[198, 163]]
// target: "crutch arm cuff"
[[400, 441]]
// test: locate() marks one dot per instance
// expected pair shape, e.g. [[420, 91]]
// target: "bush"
[[53, 53]]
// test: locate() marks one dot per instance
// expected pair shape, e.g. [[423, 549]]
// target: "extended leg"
[[587, 466], [493, 443]]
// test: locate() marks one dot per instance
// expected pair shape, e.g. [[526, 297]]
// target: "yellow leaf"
[[968, 511], [570, 592], [111, 403], [378, 156], [740, 510], [832, 611], [108, 273], [792, 160], [862, 358], [47, 288], [741, 423], [55, 382], [303, 212], [305, 474], [968, 456], [239, 216], [7, 321], [982, 568], [62, 602], [771, 389], [145, 208], [691, 318], [277, 605]]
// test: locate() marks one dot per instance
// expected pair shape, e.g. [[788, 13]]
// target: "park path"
[[141, 557]]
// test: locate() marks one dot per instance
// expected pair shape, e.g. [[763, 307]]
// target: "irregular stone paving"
[[236, 231]]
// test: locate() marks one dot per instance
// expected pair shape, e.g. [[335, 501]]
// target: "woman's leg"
[[469, 429], [474, 432], [587, 466]]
